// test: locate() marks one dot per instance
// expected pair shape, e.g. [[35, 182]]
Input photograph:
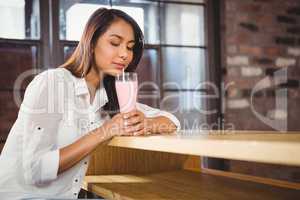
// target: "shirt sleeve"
[[154, 112], [40, 155]]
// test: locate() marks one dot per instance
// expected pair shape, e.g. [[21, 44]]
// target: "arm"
[[73, 153], [39, 134], [160, 121], [160, 125], [42, 160], [155, 121], [147, 120]]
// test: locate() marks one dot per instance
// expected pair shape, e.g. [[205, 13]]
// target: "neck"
[[94, 78]]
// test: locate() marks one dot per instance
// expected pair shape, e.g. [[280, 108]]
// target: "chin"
[[114, 74], [112, 71]]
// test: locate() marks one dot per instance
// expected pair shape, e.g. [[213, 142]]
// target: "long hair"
[[82, 59]]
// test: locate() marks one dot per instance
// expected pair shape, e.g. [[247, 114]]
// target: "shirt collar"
[[100, 96], [80, 86]]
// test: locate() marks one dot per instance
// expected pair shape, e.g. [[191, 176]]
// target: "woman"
[[67, 112]]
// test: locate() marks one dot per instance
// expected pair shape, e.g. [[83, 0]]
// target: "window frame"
[[50, 47]]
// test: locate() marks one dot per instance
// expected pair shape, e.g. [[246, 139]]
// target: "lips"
[[119, 65]]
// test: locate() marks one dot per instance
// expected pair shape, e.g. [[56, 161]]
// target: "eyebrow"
[[120, 37]]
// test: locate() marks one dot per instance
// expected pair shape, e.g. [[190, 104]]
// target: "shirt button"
[[76, 180], [85, 162], [75, 194], [92, 122]]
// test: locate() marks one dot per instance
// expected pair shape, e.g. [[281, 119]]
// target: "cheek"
[[130, 58], [102, 58], [108, 53], [98, 59]]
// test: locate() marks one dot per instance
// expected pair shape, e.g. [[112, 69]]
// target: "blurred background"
[[232, 44]]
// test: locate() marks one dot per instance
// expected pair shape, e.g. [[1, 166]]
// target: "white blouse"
[[55, 112]]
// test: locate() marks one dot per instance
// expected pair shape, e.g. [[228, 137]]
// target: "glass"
[[23, 19], [183, 68], [73, 16], [126, 88], [146, 15], [187, 21], [127, 76]]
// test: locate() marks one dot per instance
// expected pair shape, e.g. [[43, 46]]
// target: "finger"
[[126, 134], [130, 114], [134, 128], [123, 132], [116, 125], [137, 127], [133, 120], [140, 132], [118, 118]]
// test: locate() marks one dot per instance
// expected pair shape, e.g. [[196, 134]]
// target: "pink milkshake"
[[126, 87]]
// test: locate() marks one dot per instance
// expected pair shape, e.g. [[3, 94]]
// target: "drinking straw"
[[123, 75]]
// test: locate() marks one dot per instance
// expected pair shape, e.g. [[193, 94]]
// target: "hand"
[[127, 124], [115, 126], [135, 123]]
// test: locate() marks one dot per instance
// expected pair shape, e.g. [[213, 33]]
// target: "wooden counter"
[[159, 167], [270, 147], [183, 185]]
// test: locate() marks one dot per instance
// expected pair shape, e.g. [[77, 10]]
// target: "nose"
[[123, 53]]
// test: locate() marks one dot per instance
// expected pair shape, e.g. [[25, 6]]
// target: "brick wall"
[[261, 37]]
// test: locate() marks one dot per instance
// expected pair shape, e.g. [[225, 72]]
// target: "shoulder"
[[50, 78], [47, 86], [56, 74]]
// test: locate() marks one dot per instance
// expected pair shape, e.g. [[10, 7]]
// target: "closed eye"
[[131, 45], [115, 44], [130, 48]]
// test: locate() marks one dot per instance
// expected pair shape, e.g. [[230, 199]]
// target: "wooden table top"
[[258, 146]]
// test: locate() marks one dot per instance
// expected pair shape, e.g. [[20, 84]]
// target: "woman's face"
[[114, 49]]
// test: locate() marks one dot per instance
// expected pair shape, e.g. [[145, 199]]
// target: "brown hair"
[[82, 59]]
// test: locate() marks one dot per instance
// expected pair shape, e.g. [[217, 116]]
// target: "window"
[[72, 24], [183, 60], [23, 20], [182, 24]]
